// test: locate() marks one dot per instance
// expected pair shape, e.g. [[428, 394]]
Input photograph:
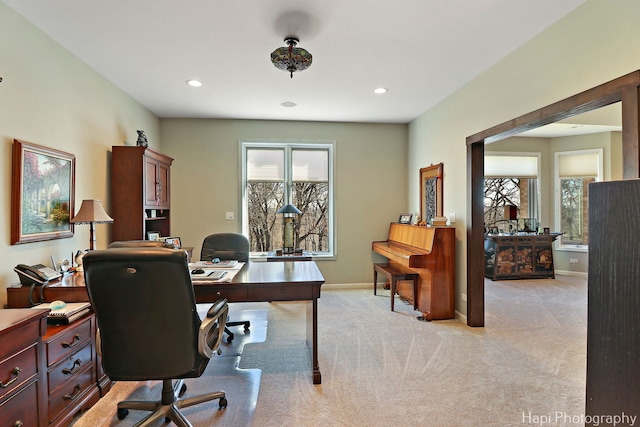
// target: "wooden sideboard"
[[47, 373], [519, 256]]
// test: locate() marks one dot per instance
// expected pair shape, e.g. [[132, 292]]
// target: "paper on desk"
[[209, 265], [225, 279], [222, 264]]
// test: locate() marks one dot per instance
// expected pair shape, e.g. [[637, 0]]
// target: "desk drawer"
[[70, 393], [21, 408], [280, 293], [68, 342], [69, 366], [232, 293], [17, 369]]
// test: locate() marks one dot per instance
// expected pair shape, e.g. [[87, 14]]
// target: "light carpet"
[[383, 368]]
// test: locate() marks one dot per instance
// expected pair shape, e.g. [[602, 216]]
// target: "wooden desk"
[[255, 282], [274, 281]]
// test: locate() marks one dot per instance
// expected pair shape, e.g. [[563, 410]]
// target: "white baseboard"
[[348, 286], [572, 273], [462, 318]]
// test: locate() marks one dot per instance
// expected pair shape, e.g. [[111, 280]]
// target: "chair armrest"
[[212, 328]]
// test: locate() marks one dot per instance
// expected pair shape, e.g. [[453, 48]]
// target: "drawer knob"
[[74, 341], [14, 374], [18, 424]]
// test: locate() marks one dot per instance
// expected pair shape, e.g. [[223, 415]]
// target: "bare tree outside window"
[[499, 192], [277, 175], [574, 210]]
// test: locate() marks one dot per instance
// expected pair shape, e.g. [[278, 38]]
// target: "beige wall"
[[50, 98], [370, 188], [595, 43]]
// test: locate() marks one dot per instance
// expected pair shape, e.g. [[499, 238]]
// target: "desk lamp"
[[288, 212], [91, 212]]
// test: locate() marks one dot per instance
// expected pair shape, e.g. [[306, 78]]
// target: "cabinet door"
[[163, 185], [151, 183]]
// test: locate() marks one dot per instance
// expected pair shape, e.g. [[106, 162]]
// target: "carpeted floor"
[[383, 368]]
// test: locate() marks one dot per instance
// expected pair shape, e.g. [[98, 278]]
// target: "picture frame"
[[42, 193], [405, 218], [431, 180], [153, 235], [174, 241]]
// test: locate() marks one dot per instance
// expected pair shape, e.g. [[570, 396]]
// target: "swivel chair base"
[[170, 404], [230, 336]]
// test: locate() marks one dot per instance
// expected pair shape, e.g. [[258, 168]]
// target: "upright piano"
[[430, 252]]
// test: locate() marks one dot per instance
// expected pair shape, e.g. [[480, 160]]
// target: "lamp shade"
[[289, 209], [91, 211]]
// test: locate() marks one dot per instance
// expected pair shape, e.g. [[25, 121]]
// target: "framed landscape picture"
[[431, 192], [42, 193]]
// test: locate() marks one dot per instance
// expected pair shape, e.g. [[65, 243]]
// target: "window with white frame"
[[278, 173], [574, 171], [510, 179]]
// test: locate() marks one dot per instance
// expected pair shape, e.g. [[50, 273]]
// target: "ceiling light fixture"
[[194, 83], [291, 58], [288, 104], [380, 90]]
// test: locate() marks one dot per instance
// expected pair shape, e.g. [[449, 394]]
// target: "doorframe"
[[625, 89]]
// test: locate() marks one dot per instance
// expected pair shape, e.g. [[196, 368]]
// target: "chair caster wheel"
[[167, 420], [122, 413], [183, 389], [230, 338], [223, 402]]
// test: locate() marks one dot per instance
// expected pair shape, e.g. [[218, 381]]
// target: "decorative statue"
[[142, 139]]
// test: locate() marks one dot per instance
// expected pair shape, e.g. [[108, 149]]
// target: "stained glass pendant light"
[[291, 58]]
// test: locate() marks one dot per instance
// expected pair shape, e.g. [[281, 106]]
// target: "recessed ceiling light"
[[194, 83], [288, 104], [380, 90]]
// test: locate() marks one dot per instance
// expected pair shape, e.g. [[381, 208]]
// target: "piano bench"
[[395, 273]]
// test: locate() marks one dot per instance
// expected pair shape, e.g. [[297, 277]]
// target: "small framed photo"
[[153, 235], [405, 218], [175, 241]]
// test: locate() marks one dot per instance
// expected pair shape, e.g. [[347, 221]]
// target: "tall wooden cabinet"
[[140, 192]]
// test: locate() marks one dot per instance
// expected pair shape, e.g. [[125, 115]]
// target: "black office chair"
[[227, 246], [149, 328]]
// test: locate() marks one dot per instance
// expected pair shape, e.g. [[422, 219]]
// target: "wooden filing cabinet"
[[47, 373], [71, 369], [22, 381]]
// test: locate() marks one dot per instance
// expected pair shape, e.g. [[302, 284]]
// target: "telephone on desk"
[[35, 274]]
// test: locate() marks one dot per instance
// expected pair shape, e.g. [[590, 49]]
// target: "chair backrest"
[[146, 311], [234, 246]]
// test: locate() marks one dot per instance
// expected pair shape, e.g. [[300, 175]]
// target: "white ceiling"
[[421, 50]]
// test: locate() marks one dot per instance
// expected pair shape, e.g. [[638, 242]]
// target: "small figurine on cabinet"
[[142, 139]]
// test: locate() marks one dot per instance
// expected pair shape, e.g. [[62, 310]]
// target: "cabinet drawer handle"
[[18, 424], [74, 341], [73, 368], [14, 374], [72, 396]]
